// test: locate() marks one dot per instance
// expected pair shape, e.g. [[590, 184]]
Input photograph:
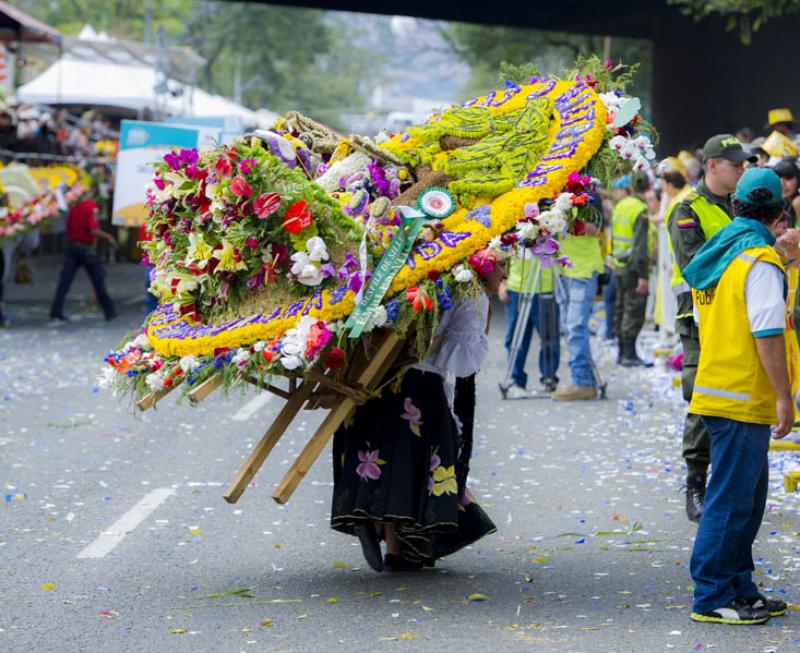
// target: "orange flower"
[[420, 301]]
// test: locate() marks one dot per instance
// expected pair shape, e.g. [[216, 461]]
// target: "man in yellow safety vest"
[[742, 386], [629, 252], [690, 224]]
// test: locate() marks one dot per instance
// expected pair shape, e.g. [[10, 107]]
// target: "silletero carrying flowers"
[[276, 253]]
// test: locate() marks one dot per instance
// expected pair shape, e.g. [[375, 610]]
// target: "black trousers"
[[76, 256]]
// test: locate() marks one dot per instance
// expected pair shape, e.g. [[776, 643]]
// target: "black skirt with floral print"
[[401, 459]]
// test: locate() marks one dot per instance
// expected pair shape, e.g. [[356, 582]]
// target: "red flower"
[[434, 275], [240, 187], [297, 217], [580, 199], [579, 228], [224, 168], [334, 359], [265, 205], [420, 301], [272, 350]]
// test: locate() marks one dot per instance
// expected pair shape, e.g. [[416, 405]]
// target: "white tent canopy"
[[91, 83]]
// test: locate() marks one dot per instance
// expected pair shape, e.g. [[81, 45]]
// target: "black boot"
[[620, 350], [630, 358], [695, 496]]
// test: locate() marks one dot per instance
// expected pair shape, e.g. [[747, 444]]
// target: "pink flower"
[[265, 205], [240, 187], [251, 242], [483, 261], [368, 468], [412, 413], [247, 165], [319, 335]]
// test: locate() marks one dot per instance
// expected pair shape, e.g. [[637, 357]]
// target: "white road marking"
[[109, 539], [252, 407]]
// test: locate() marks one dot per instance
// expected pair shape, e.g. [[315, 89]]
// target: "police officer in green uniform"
[[629, 250], [692, 222]]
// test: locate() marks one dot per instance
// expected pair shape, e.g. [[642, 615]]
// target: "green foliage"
[[286, 58], [519, 53], [749, 15], [519, 74]]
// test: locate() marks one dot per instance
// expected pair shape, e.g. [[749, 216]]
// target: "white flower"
[[564, 202], [554, 221], [617, 143], [378, 318], [628, 151], [301, 259], [189, 363], [317, 249], [496, 245], [259, 346], [529, 230], [241, 357], [612, 100], [310, 275], [107, 377], [305, 271], [343, 169], [462, 274], [293, 343], [291, 362], [154, 381], [140, 341], [649, 153]]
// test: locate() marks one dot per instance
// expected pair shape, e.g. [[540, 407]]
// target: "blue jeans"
[[543, 317], [722, 558], [579, 300], [610, 299]]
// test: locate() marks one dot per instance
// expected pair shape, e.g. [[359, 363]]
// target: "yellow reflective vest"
[[731, 381], [712, 219], [623, 220]]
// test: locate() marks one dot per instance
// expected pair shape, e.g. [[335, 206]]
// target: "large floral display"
[[29, 196], [276, 253]]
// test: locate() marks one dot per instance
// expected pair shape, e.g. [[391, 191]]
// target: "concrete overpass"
[[704, 80]]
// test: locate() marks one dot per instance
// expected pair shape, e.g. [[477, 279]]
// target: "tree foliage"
[[486, 48], [284, 58], [749, 15]]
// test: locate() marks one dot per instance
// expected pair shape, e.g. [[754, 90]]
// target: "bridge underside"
[[704, 80]]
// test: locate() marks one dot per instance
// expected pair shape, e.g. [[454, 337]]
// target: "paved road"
[[591, 552]]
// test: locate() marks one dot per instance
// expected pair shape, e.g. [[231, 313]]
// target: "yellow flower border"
[[505, 213]]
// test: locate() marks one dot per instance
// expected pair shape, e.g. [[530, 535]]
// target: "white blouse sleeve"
[[464, 344]]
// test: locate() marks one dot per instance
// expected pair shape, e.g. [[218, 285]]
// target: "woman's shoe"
[[394, 562], [370, 546]]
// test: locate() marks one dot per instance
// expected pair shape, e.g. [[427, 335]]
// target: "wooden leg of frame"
[[267, 442], [368, 378], [205, 388]]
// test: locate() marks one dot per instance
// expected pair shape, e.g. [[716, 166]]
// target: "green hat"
[[725, 146], [760, 186]]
